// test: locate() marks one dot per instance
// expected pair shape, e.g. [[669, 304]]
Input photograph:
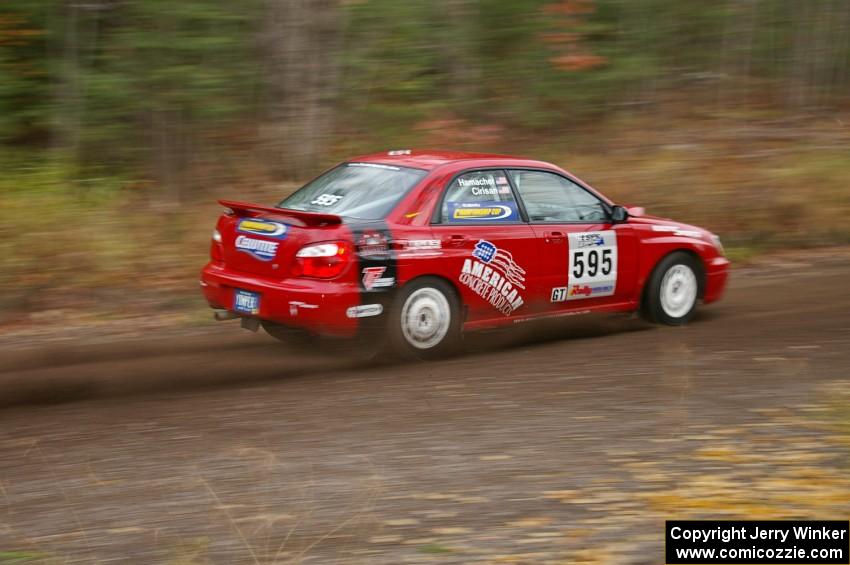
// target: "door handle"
[[456, 240], [554, 237]]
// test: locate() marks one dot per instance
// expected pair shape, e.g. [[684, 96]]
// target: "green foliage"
[[152, 87], [124, 87], [23, 71]]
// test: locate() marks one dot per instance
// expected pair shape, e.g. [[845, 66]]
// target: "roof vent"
[[397, 152]]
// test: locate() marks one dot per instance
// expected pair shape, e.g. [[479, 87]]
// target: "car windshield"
[[367, 191]]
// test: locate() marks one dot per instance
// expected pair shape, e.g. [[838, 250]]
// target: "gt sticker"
[[259, 248], [592, 266], [262, 227], [493, 275], [373, 277], [470, 212]]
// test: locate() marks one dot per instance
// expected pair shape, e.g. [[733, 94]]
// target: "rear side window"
[[552, 198], [367, 191], [479, 197]]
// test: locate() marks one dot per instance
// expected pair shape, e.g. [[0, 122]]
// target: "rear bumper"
[[716, 276], [318, 306]]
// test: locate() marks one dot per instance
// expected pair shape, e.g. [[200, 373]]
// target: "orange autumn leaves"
[[570, 52], [14, 30]]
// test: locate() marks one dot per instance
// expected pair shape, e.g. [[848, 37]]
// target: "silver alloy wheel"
[[425, 318], [678, 290]]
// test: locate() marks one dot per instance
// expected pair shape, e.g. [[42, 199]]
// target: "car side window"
[[479, 197], [552, 198]]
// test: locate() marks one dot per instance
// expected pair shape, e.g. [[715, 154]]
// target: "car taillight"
[[216, 252], [322, 260]]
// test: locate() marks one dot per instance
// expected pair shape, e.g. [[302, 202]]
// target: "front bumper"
[[318, 306], [716, 277]]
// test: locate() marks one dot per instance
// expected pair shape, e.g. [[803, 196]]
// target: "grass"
[[102, 248], [21, 557]]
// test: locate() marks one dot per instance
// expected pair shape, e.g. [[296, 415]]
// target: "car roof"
[[432, 159]]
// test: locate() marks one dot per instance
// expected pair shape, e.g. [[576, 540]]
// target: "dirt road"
[[573, 449]]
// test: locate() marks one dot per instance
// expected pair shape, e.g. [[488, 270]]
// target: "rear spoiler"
[[304, 219]]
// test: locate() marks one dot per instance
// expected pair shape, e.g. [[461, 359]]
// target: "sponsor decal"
[[375, 257], [590, 240], [373, 244], [364, 311], [262, 227], [493, 275], [677, 231], [374, 166], [294, 305], [592, 266], [420, 244], [461, 212], [326, 199], [419, 248], [587, 291], [373, 277], [563, 293], [259, 248]]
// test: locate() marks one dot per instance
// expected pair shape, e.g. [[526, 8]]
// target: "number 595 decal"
[[592, 262], [592, 266]]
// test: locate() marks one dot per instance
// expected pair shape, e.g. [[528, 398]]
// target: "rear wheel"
[[424, 321], [672, 292]]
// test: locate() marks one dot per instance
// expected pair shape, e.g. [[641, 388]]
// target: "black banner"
[[693, 542]]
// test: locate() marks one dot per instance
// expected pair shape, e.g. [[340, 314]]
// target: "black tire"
[[428, 299], [672, 293], [292, 337]]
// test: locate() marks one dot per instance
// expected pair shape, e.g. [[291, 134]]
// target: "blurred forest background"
[[121, 121]]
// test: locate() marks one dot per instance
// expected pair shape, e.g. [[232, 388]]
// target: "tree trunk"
[[301, 45]]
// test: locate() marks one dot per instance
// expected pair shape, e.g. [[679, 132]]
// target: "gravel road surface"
[[570, 444]]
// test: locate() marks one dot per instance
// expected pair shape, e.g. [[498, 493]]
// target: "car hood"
[[666, 224]]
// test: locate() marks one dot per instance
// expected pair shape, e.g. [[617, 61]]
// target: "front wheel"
[[672, 292], [424, 321]]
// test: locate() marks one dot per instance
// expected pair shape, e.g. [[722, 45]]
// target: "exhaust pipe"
[[248, 323]]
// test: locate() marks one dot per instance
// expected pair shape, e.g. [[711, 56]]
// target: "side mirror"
[[619, 214]]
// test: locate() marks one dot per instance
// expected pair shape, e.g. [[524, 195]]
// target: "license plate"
[[246, 301]]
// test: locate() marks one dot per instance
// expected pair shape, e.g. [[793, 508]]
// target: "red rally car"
[[428, 245]]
